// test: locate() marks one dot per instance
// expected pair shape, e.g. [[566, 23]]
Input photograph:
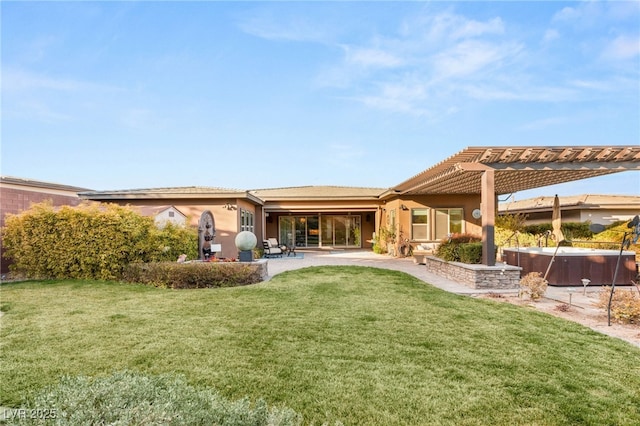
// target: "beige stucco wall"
[[403, 215], [227, 222]]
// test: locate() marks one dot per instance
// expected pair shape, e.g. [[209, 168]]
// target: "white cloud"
[[596, 14], [591, 84], [513, 90], [622, 47], [357, 64], [283, 28], [371, 57], [19, 80], [448, 26], [138, 118], [436, 62], [471, 28], [550, 35], [34, 110], [544, 123], [425, 63], [584, 14], [472, 56], [406, 97], [566, 14]]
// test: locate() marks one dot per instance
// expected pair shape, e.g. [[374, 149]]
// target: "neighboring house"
[[164, 214], [600, 209], [18, 194]]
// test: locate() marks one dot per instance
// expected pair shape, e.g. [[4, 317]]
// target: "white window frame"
[[426, 226], [447, 211], [247, 220]]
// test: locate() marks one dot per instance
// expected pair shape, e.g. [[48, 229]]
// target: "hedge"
[[571, 230], [90, 241], [470, 253], [193, 275], [449, 249]]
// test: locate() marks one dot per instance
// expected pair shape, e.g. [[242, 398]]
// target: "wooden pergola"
[[492, 171]]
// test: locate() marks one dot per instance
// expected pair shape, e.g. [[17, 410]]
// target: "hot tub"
[[572, 264]]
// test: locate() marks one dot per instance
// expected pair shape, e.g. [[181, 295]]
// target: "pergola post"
[[488, 209]]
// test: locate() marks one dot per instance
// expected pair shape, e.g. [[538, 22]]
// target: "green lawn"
[[360, 345]]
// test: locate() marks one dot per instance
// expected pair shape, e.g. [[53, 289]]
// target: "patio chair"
[[274, 243], [270, 251]]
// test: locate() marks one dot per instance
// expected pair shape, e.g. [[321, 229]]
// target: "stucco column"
[[488, 209]]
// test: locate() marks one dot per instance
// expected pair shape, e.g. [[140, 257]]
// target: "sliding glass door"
[[341, 231], [302, 231], [321, 231]]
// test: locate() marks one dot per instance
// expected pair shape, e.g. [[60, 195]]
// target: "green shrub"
[[378, 249], [90, 241], [511, 221], [571, 230], [173, 240], [614, 234], [507, 238], [470, 252], [127, 398], [382, 239], [537, 229], [577, 230], [193, 275], [449, 249]]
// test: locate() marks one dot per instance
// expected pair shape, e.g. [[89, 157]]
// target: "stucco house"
[[457, 195], [594, 208]]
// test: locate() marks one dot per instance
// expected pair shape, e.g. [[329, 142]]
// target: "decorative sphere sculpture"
[[246, 240]]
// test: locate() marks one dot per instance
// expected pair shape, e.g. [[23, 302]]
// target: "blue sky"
[[119, 95]]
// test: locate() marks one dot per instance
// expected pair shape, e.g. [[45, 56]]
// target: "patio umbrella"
[[556, 220]]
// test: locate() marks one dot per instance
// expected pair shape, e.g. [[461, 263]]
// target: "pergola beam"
[[559, 166]]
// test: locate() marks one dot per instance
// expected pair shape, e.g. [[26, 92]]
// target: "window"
[[171, 214], [448, 221], [246, 220], [420, 224]]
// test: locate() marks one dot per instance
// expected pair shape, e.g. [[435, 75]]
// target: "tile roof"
[[39, 184], [170, 192], [314, 192], [585, 202]]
